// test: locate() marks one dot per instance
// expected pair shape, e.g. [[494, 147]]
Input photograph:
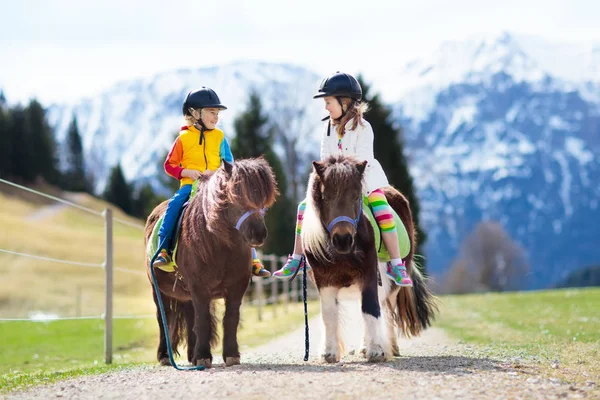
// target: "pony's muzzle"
[[342, 242], [256, 236]]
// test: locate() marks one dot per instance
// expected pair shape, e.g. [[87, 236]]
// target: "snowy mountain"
[[499, 127], [135, 122], [496, 131]]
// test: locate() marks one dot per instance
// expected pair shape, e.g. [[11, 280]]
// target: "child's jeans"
[[172, 213]]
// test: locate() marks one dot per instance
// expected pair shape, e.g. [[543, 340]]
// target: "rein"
[[159, 296], [354, 222], [163, 316]]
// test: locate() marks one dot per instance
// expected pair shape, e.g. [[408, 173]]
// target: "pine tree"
[[118, 192], [42, 145], [165, 180], [144, 201], [253, 139], [22, 160], [5, 136], [389, 151], [75, 176]]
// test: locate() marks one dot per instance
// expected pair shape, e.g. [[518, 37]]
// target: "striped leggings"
[[300, 217], [381, 210]]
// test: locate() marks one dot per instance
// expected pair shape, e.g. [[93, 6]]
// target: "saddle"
[[403, 238], [152, 246], [153, 243]]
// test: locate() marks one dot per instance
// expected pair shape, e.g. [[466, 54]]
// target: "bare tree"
[[458, 280], [488, 260], [293, 127]]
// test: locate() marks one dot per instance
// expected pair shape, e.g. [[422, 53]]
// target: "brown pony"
[[339, 244], [221, 223]]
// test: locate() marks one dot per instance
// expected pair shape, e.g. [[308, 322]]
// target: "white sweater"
[[358, 143]]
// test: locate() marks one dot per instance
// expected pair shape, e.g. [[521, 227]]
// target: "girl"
[[347, 133], [200, 146]]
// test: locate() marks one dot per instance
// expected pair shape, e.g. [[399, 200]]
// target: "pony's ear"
[[318, 167], [362, 166], [228, 167]]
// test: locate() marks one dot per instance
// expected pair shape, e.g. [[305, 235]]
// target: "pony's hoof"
[[204, 362], [395, 351], [363, 352], [376, 354], [331, 358], [229, 361], [164, 361]]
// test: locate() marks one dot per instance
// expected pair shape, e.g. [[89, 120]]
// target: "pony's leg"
[[388, 293], [191, 336], [392, 334], [203, 328], [376, 333], [231, 320], [334, 346], [162, 353], [383, 289]]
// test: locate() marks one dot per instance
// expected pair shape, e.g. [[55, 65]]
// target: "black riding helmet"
[[202, 98], [340, 84]]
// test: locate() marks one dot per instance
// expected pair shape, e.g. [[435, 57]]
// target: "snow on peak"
[[478, 58]]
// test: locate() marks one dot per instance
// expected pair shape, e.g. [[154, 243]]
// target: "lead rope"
[[163, 315], [306, 333]]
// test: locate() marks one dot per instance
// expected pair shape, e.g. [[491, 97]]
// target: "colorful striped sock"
[[382, 211], [300, 217]]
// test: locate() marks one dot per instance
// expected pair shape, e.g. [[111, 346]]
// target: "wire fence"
[[263, 291]]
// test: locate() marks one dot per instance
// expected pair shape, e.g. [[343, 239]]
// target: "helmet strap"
[[201, 128]]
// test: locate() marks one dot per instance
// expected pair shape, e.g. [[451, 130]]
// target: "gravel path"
[[432, 366]]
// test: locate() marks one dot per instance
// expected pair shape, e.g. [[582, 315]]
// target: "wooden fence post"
[[274, 286], [108, 268]]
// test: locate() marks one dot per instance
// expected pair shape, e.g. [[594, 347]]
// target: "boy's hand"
[[191, 173]]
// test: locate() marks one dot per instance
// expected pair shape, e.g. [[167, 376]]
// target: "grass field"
[[37, 352], [557, 332], [36, 286]]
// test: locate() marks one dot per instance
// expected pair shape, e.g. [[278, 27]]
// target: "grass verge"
[[557, 332], [42, 352]]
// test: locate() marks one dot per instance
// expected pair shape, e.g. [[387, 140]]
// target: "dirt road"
[[431, 367]]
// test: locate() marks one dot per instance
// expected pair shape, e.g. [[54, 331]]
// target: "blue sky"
[[60, 50]]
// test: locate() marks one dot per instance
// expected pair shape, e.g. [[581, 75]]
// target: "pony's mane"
[[339, 169], [250, 186], [314, 236]]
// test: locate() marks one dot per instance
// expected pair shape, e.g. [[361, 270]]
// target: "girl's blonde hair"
[[189, 119], [354, 110]]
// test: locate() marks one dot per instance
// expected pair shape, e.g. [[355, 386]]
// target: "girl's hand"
[[191, 173]]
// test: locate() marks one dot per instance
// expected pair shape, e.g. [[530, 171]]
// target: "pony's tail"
[[416, 306], [177, 323], [180, 316]]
